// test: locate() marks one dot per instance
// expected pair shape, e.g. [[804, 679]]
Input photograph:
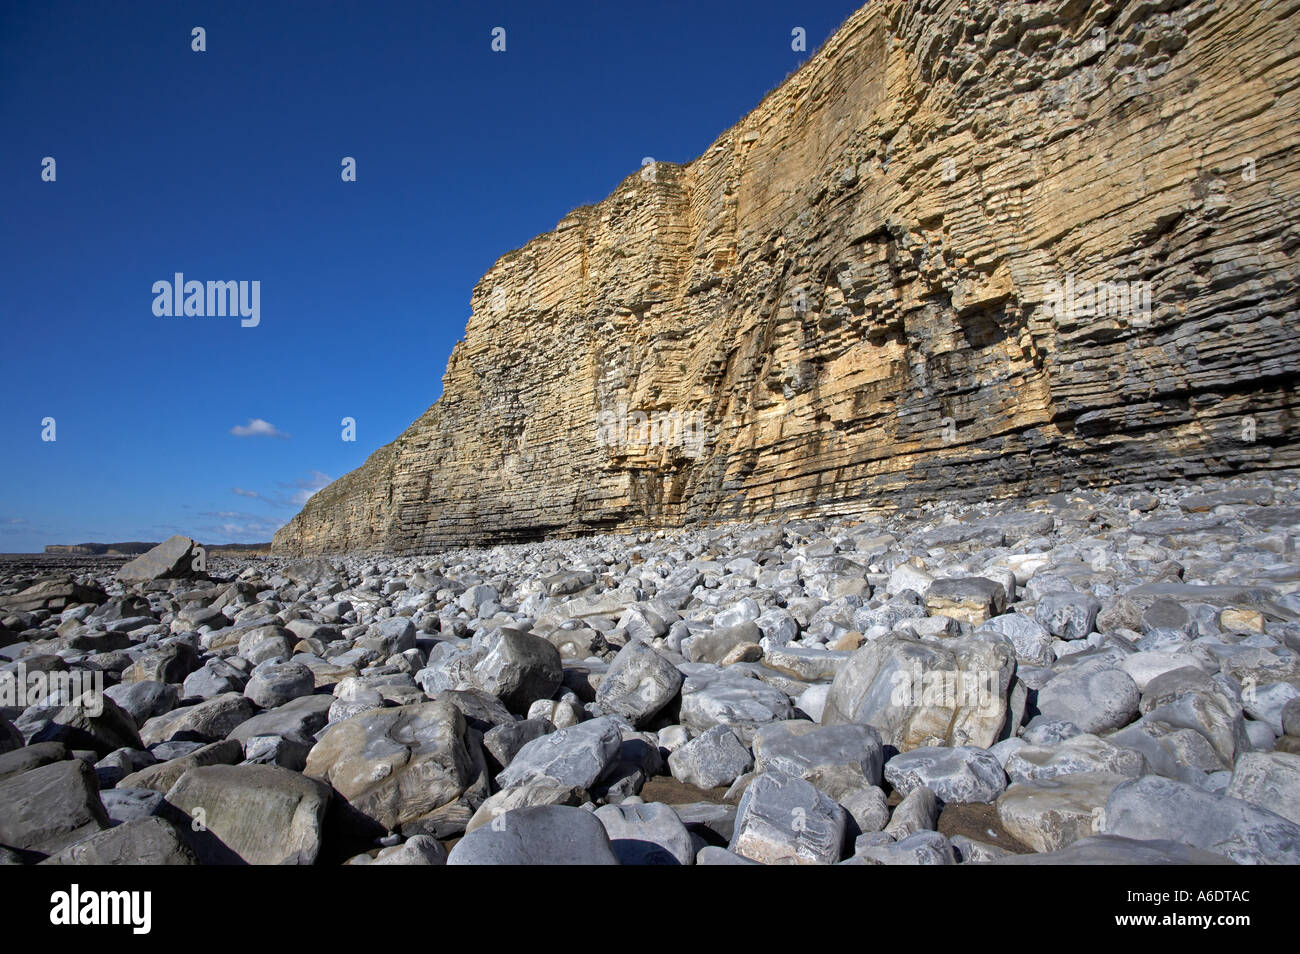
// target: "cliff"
[[968, 250]]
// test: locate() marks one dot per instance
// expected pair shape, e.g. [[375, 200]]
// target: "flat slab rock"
[[144, 841], [50, 807], [1158, 808], [1116, 850]]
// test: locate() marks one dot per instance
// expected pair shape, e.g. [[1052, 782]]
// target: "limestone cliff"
[[919, 268]]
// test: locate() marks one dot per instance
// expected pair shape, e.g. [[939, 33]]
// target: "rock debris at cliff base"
[[1084, 677]]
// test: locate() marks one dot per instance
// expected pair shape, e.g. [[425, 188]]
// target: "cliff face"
[[881, 287]]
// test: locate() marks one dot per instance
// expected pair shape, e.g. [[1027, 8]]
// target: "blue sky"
[[225, 165]]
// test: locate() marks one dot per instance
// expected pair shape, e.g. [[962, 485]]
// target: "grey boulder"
[[574, 756], [540, 835], [520, 669], [144, 841], [836, 758], [646, 834], [1068, 615], [1153, 807], [172, 559], [639, 683], [1094, 696], [272, 683], [713, 758], [50, 807], [251, 814], [783, 819], [958, 775]]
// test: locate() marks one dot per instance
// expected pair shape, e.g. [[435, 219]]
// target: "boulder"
[[1077, 755], [208, 721], [54, 594], [297, 721], [1208, 714], [726, 697], [783, 819], [258, 644], [836, 759], [272, 684], [804, 663], [639, 683], [917, 694], [1269, 780], [1096, 697], [163, 775], [169, 663], [1159, 808], [970, 599], [713, 758], [540, 835], [918, 848], [714, 646], [251, 814], [416, 850], [503, 742], [26, 758], [1032, 642], [144, 700], [10, 738], [1068, 615], [393, 766], [918, 811], [143, 841], [50, 807], [646, 834], [1116, 850], [174, 558], [520, 669], [542, 791], [1048, 814], [957, 775], [214, 678], [127, 804], [576, 756], [91, 721]]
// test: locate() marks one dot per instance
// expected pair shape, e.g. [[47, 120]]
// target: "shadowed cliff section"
[[852, 289]]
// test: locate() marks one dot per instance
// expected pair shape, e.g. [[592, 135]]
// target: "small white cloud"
[[256, 427], [302, 490], [307, 486]]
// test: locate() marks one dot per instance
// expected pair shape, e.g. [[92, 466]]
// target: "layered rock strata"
[[968, 250]]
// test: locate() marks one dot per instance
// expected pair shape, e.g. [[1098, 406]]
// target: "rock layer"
[[848, 301]]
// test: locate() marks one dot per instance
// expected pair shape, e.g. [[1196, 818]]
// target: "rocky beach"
[[1083, 677]]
